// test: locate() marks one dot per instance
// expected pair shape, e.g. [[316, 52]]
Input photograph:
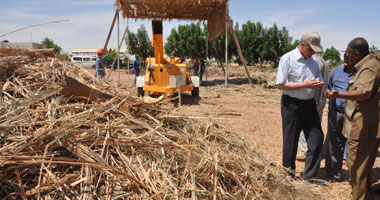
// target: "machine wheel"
[[140, 92], [195, 92]]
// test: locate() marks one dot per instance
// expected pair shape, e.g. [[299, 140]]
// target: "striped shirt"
[[294, 68]]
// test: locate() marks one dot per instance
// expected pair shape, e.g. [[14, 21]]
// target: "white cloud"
[[91, 3], [22, 14], [284, 17]]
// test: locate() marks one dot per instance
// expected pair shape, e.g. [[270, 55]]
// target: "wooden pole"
[[226, 76], [239, 51], [206, 54], [26, 27], [110, 32], [118, 49], [128, 50], [114, 60]]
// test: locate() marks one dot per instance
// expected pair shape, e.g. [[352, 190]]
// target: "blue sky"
[[337, 21]]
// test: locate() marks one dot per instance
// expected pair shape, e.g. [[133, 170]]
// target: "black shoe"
[[376, 191], [318, 181], [332, 178]]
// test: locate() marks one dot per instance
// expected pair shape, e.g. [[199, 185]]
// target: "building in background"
[[21, 45], [31, 46], [87, 57], [92, 52]]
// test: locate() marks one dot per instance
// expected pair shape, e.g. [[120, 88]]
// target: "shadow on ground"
[[235, 81], [186, 99]]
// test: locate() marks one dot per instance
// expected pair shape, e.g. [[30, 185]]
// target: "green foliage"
[[332, 56], [257, 43], [251, 39], [374, 50], [264, 44], [139, 44], [110, 57], [220, 44], [189, 41], [64, 57], [50, 44]]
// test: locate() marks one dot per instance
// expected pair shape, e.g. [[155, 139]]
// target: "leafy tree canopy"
[[374, 50], [187, 41], [50, 44], [139, 43], [257, 43], [332, 56]]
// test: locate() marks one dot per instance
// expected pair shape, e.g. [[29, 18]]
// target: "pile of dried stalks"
[[58, 142], [259, 75]]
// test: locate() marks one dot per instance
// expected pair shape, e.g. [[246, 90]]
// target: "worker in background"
[[299, 77], [335, 141], [136, 68], [320, 98], [201, 69], [361, 120], [196, 67], [99, 63]]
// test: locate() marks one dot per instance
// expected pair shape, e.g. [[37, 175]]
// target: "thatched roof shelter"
[[212, 11]]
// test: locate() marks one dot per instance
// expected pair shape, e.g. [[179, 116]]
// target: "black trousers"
[[137, 74], [335, 143], [300, 115]]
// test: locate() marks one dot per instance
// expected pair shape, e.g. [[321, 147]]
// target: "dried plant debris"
[[59, 143]]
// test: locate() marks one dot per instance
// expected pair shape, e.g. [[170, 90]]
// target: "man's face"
[[306, 50], [352, 56]]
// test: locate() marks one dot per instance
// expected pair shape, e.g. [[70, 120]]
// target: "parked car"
[[84, 61], [109, 64]]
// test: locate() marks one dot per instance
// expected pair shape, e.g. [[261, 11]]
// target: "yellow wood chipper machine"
[[165, 75]]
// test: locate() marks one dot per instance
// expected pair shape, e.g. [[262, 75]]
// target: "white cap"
[[313, 39]]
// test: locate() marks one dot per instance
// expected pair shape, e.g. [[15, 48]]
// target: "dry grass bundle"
[[267, 78], [58, 143], [259, 75]]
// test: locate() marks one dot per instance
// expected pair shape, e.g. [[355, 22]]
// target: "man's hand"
[[331, 94], [314, 83]]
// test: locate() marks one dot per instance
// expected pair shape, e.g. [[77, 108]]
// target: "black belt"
[[339, 110], [285, 96]]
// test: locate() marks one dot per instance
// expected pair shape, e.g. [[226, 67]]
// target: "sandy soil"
[[254, 112]]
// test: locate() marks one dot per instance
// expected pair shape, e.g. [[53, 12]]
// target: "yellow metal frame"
[[167, 89], [157, 79]]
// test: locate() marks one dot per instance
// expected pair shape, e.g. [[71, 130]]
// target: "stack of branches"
[[259, 75], [58, 142], [266, 77]]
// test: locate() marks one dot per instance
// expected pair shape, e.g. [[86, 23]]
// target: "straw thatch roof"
[[214, 11]]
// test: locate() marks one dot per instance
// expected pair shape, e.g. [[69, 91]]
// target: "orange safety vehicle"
[[165, 75]]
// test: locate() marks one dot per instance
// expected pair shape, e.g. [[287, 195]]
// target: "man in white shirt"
[[320, 98], [299, 77]]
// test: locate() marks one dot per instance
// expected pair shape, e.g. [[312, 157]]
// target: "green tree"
[[189, 41], [286, 41], [50, 44], [332, 56], [374, 50], [271, 46], [257, 43], [251, 39], [264, 44], [220, 44], [139, 44]]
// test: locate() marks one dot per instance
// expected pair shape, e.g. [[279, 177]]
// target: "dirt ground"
[[255, 113]]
